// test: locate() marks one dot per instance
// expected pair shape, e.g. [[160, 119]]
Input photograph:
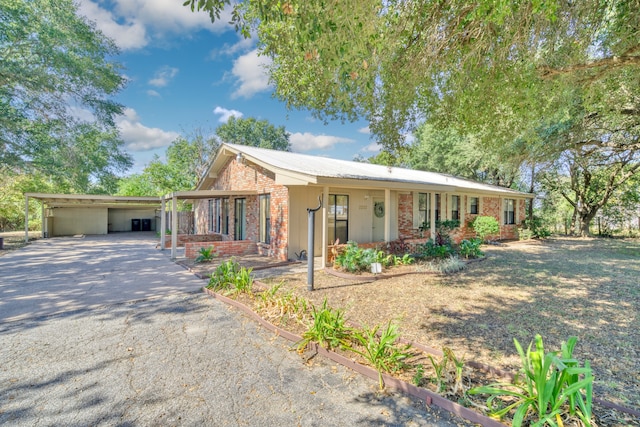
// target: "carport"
[[71, 214]]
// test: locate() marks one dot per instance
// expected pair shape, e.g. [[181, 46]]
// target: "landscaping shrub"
[[431, 249], [533, 229], [205, 254], [485, 226], [354, 259], [448, 265], [470, 248], [328, 328], [230, 277]]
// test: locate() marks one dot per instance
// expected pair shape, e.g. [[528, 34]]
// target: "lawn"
[[557, 288]]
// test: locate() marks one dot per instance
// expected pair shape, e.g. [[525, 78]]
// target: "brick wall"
[[242, 177], [184, 238], [405, 216], [222, 249]]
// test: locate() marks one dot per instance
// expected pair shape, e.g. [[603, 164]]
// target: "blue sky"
[[185, 72]]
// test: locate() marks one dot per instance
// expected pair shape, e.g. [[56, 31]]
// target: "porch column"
[[174, 224], [432, 216], [44, 220], [26, 219], [163, 223], [387, 215], [325, 226]]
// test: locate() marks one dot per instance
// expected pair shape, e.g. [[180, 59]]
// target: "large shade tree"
[[56, 79], [500, 69], [253, 132]]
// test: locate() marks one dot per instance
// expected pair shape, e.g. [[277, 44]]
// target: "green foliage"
[[231, 278], [205, 254], [470, 248], [430, 249], [447, 151], [552, 384], [328, 328], [485, 226], [418, 376], [54, 62], [355, 259], [448, 372], [380, 349], [255, 133], [186, 160]]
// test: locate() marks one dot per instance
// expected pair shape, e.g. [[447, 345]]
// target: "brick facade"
[[226, 248], [236, 176]]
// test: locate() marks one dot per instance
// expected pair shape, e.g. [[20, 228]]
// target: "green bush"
[[354, 259], [485, 226], [431, 249], [230, 277], [206, 254], [470, 248], [533, 229]]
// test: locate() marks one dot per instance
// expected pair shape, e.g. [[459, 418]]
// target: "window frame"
[[455, 214], [509, 214], [477, 205], [333, 201]]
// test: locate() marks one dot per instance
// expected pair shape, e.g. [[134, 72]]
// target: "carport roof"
[[93, 201]]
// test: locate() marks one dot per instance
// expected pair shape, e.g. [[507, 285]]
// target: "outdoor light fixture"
[[239, 158]]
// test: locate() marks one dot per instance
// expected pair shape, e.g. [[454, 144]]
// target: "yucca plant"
[[380, 349], [551, 386]]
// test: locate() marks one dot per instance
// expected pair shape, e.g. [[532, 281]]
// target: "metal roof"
[[315, 168], [94, 200]]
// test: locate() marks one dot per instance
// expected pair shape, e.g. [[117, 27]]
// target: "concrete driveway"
[[105, 330]]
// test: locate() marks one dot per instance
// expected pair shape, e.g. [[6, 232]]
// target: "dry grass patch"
[[557, 288]]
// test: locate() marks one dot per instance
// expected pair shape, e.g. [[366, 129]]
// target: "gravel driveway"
[[105, 330]]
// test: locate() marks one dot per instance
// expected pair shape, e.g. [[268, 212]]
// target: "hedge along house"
[[264, 196]]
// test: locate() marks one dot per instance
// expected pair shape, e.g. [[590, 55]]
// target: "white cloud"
[[138, 137], [365, 130], [226, 114], [126, 32], [163, 76], [133, 23], [250, 71], [374, 147], [307, 141], [227, 49], [153, 93]]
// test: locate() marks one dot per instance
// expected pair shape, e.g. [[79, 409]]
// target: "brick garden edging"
[[429, 397]]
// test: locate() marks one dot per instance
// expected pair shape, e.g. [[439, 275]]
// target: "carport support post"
[[310, 244], [26, 219], [174, 225], [163, 223]]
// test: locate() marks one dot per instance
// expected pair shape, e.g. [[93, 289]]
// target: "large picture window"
[[265, 218], [339, 217], [509, 211]]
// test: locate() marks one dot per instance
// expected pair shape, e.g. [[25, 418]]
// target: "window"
[[509, 211], [455, 208], [219, 216], [265, 218], [437, 207], [424, 208], [474, 205], [338, 217]]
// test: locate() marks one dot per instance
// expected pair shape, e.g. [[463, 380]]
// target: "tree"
[[53, 64], [447, 151], [256, 133], [186, 161], [499, 70]]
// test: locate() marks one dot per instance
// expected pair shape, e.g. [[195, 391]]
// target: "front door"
[[379, 212], [240, 220]]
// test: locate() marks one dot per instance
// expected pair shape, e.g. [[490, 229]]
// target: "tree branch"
[[607, 63]]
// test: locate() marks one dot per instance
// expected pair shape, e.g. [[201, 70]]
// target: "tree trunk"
[[585, 222]]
